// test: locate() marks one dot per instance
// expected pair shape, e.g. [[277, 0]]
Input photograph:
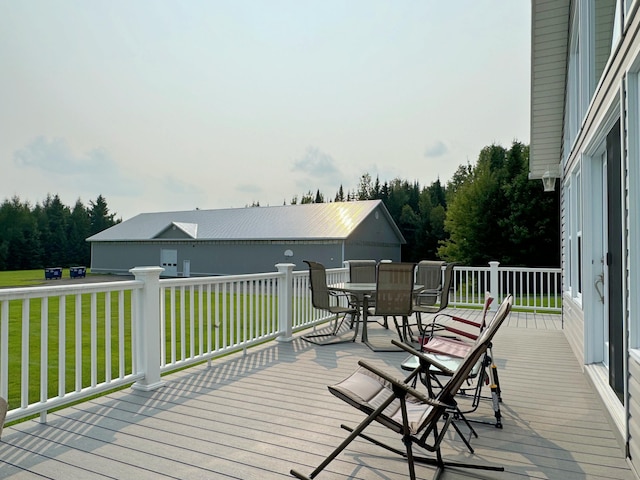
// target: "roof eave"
[[550, 27]]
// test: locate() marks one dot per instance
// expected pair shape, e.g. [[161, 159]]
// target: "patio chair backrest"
[[318, 284], [492, 326], [394, 289], [362, 271], [429, 275]]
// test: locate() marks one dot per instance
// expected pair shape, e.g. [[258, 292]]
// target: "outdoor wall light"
[[549, 181]]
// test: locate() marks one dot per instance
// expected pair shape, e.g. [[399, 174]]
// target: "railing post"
[[285, 302], [146, 327], [494, 281]]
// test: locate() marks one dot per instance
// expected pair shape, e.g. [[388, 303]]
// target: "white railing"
[[535, 289], [60, 344], [52, 337]]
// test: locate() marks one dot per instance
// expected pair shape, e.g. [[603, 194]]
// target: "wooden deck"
[[256, 416]]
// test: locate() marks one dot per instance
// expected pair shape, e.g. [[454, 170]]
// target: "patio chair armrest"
[[350, 298], [458, 319], [427, 293], [423, 358], [400, 385]]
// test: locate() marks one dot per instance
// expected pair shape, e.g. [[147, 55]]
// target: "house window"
[[573, 238], [578, 221], [567, 244]]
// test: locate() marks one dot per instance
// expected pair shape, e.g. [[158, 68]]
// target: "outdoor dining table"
[[359, 291]]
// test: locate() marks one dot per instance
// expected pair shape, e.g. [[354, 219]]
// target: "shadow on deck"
[[256, 416]]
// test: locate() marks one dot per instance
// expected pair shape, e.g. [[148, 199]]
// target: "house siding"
[[573, 325], [608, 75]]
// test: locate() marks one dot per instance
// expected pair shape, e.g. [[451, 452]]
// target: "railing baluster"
[[94, 339], [121, 341], [4, 349], [44, 354], [24, 395], [62, 345], [107, 337], [78, 340]]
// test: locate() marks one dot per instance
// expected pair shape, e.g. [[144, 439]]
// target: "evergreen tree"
[[78, 231], [53, 217], [99, 217], [19, 237]]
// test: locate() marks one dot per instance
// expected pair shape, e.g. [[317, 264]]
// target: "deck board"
[[255, 416]]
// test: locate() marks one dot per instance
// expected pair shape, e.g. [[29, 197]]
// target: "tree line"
[[487, 211], [50, 234]]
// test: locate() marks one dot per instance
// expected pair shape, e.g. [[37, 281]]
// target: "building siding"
[[573, 325], [369, 233]]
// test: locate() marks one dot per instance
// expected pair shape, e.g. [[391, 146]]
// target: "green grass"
[[184, 332], [25, 278]]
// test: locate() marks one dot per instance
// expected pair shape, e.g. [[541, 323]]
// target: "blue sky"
[[175, 105]]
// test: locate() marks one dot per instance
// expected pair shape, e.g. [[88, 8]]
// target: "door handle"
[[598, 284]]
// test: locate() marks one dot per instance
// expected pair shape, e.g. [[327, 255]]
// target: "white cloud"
[[436, 149]]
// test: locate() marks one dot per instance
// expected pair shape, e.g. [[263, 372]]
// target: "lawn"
[[72, 367], [26, 278]]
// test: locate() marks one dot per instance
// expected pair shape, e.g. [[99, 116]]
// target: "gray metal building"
[[248, 240]]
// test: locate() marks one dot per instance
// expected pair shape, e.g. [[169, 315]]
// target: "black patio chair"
[[432, 301], [323, 298], [420, 420], [362, 271], [393, 298]]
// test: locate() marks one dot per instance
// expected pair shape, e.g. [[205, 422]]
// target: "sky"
[[163, 105]]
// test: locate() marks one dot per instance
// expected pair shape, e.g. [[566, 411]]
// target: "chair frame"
[[426, 435], [321, 298], [456, 348]]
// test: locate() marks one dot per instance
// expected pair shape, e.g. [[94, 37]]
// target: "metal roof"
[[334, 221], [549, 47]]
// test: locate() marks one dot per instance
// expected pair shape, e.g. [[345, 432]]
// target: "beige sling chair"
[[431, 301], [323, 298], [393, 298], [419, 419], [365, 271]]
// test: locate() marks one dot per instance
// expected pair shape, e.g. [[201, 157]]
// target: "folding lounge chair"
[[413, 415], [393, 298], [445, 324], [324, 299], [451, 351]]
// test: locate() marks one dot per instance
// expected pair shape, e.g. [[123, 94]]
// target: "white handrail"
[[67, 342]]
